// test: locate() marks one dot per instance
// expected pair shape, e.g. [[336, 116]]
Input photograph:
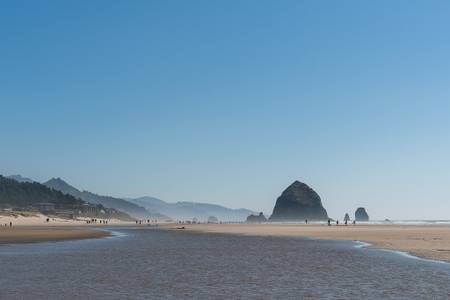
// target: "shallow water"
[[152, 264]]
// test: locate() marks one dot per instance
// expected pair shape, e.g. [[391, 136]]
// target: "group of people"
[[94, 221], [139, 222], [6, 224], [337, 222]]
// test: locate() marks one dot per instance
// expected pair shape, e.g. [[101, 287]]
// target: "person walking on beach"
[[329, 222], [306, 221], [10, 224]]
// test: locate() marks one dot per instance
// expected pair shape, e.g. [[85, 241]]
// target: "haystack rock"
[[361, 215], [297, 203], [257, 218]]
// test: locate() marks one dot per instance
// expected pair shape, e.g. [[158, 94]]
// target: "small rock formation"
[[213, 220], [297, 203], [256, 218], [346, 218], [361, 215]]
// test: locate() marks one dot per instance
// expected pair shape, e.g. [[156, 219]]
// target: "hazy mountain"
[[190, 210], [19, 178], [130, 208], [60, 185]]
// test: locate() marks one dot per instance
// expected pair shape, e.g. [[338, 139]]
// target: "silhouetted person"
[[306, 221], [354, 222], [337, 222], [329, 222], [10, 224]]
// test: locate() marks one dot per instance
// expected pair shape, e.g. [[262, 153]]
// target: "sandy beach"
[[32, 235], [35, 228], [427, 241], [41, 220]]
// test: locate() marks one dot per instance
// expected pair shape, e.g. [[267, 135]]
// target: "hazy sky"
[[228, 102]]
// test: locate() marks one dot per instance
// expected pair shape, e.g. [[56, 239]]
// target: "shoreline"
[[430, 242], [37, 234]]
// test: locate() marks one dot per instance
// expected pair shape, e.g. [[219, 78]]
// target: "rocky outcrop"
[[256, 218], [298, 202], [213, 220], [361, 215], [346, 218]]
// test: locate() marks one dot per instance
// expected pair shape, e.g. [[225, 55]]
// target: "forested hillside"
[[23, 194]]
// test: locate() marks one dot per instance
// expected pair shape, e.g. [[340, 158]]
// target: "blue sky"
[[228, 102]]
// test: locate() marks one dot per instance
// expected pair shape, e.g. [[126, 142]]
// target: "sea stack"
[[361, 215], [213, 220], [299, 202], [256, 218], [346, 218]]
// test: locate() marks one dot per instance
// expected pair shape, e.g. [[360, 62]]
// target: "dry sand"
[[41, 220], [33, 227], [427, 241]]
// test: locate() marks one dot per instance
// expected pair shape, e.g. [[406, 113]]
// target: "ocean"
[[145, 263]]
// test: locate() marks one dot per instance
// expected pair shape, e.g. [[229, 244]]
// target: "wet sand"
[[427, 241], [170, 264], [35, 228], [39, 234]]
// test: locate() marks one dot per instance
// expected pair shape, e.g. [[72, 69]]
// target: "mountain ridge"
[[184, 210], [20, 178], [128, 207]]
